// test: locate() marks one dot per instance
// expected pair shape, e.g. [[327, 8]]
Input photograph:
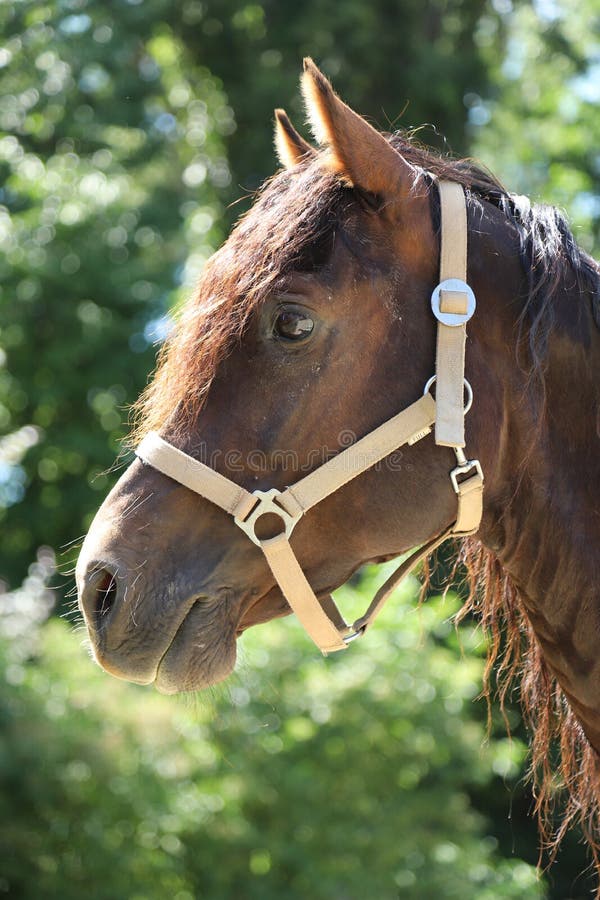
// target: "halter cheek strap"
[[453, 303]]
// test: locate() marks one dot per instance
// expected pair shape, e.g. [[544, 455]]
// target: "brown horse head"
[[310, 327]]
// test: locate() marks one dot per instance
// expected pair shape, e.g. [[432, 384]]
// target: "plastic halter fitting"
[[453, 304]]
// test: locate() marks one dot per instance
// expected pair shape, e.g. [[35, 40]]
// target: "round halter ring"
[[456, 286], [468, 389]]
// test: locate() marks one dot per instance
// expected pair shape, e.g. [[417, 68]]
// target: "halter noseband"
[[453, 304]]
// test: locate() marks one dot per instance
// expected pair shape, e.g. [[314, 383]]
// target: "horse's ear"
[[290, 146], [356, 150]]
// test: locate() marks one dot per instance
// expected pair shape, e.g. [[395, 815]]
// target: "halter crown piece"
[[453, 304]]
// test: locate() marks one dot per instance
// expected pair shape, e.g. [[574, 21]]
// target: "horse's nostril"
[[104, 595]]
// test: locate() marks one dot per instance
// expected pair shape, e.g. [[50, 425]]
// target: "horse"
[[310, 329]]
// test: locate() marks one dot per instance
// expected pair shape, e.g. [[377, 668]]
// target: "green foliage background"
[[128, 128], [351, 777]]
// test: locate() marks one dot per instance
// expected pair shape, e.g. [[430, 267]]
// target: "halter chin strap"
[[453, 304]]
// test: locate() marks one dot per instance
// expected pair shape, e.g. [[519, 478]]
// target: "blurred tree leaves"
[[539, 126], [400, 64], [348, 777], [111, 160]]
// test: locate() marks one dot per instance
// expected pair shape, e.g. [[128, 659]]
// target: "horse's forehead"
[[310, 223], [272, 241]]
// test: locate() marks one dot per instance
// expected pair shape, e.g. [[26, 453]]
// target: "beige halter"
[[453, 304]]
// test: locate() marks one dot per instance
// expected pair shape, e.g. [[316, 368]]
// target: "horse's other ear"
[[356, 150], [290, 146]]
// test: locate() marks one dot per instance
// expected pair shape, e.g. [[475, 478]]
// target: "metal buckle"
[[463, 468], [459, 287], [468, 389], [266, 504]]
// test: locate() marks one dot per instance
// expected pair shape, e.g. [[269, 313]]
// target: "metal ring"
[[457, 286], [468, 389], [348, 638]]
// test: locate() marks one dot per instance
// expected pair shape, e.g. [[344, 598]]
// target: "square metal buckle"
[[462, 470]]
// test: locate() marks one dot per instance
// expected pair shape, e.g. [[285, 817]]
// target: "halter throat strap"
[[453, 303]]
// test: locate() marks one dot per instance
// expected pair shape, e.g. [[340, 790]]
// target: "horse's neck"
[[543, 516]]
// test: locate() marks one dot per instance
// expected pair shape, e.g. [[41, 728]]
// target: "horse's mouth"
[[203, 649], [202, 652], [197, 647]]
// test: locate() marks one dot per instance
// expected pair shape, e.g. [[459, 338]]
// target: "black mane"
[[548, 251]]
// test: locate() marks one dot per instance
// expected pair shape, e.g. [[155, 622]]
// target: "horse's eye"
[[292, 325]]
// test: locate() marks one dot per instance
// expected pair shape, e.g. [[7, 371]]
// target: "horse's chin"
[[199, 655], [178, 678]]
